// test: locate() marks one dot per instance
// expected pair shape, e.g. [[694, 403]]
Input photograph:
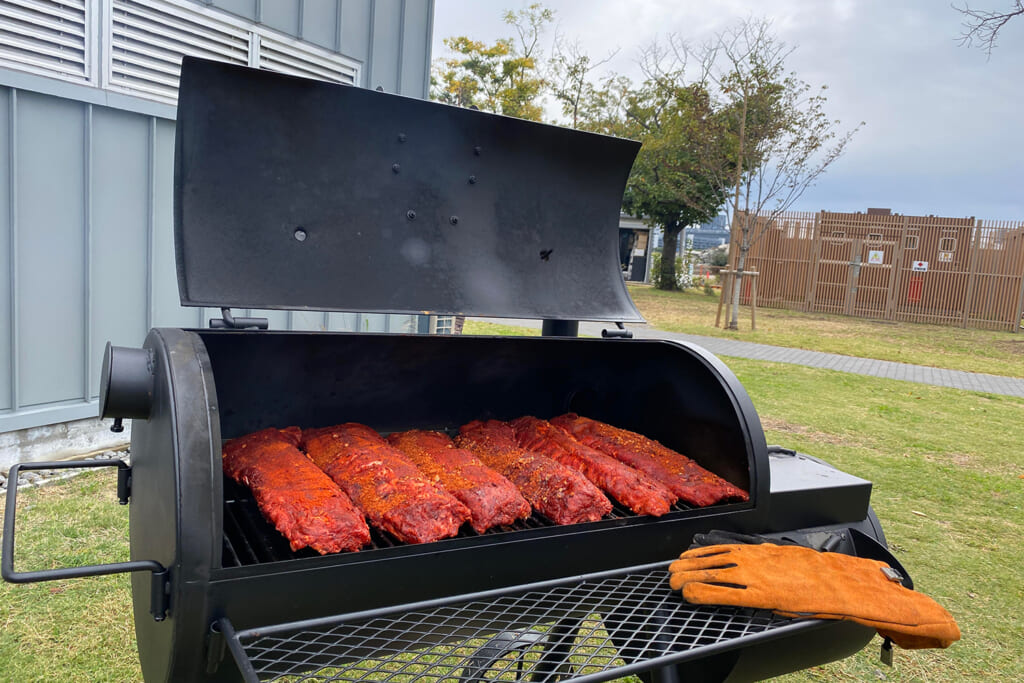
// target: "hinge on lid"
[[621, 333], [230, 322]]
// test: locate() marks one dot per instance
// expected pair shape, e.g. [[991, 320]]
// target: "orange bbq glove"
[[794, 581]]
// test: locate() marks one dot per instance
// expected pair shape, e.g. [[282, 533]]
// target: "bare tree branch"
[[982, 27]]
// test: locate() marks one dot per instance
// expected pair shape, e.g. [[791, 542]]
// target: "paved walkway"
[[922, 374]]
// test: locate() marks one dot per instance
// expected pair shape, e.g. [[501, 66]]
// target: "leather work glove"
[[795, 581]]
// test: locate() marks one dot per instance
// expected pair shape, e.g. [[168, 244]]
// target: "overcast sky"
[[945, 124]]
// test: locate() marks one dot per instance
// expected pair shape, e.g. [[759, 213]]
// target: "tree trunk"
[[734, 320], [668, 257]]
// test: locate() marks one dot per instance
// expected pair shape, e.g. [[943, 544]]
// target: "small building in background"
[[713, 233], [634, 248]]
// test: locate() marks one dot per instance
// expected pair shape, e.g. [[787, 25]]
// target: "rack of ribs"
[[384, 484], [491, 498], [561, 494], [685, 478], [302, 502], [637, 491]]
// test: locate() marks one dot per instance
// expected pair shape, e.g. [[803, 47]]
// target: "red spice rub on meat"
[[561, 494], [685, 478], [384, 483], [640, 493], [294, 494], [491, 498]]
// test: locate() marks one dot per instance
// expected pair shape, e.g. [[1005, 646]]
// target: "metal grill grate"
[[592, 628], [250, 539]]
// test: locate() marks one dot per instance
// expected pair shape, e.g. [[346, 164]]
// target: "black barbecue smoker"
[[302, 195]]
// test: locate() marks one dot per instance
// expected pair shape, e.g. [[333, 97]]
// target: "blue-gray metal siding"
[[86, 246]]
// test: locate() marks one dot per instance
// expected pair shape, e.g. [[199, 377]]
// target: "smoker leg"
[[496, 649], [553, 661], [713, 669], [666, 674], [552, 664]]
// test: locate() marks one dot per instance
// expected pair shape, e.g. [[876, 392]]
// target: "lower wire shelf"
[[589, 628]]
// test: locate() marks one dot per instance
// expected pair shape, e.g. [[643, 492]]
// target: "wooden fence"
[[946, 271]]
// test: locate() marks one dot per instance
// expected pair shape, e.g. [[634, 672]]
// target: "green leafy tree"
[[584, 104], [669, 184], [505, 78]]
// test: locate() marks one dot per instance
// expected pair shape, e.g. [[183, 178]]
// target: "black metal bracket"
[[160, 591], [620, 333], [497, 648], [242, 661], [230, 322], [560, 328]]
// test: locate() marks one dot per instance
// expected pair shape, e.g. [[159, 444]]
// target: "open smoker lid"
[[299, 194]]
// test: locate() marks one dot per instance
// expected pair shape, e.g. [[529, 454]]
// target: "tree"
[[983, 26], [666, 184], [504, 77], [779, 140], [583, 103]]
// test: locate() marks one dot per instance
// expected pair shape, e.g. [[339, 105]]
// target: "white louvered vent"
[[299, 59], [44, 37], [149, 39]]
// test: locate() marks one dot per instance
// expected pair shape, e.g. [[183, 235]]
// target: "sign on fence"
[[920, 266]]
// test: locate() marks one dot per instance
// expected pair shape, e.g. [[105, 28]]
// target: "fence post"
[[898, 280], [815, 261], [753, 299], [972, 271], [1020, 306], [894, 273], [726, 297]]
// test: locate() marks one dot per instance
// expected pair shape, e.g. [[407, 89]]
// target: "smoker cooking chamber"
[[397, 383]]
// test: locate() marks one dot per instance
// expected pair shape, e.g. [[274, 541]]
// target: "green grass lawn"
[[77, 630], [954, 348], [948, 473]]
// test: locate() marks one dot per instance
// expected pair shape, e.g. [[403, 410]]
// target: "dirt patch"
[[974, 463], [778, 425], [1014, 347]]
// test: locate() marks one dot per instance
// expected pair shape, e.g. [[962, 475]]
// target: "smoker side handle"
[[161, 583]]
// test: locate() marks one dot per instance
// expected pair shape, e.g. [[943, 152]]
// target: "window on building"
[[947, 244], [442, 324], [838, 233], [875, 237], [910, 241]]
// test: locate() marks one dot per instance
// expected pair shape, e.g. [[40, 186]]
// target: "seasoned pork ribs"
[[491, 498], [384, 483], [561, 494], [634, 489], [685, 478], [302, 502]]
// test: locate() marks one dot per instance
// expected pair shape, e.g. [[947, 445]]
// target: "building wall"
[[86, 172]]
